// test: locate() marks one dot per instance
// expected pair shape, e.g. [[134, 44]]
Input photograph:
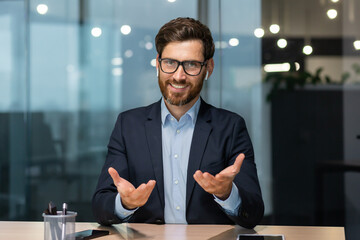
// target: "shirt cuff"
[[120, 211], [232, 203]]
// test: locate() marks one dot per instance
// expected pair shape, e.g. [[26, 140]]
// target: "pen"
[[63, 230], [51, 210]]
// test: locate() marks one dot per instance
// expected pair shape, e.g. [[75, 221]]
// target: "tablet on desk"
[[260, 237]]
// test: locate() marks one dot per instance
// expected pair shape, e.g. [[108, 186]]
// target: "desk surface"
[[35, 230]]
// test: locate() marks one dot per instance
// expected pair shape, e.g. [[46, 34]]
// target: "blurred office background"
[[68, 67]]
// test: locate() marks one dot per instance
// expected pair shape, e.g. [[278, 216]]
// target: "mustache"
[[173, 81]]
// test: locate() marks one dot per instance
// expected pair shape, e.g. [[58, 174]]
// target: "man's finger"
[[238, 162], [205, 180], [124, 187], [199, 178], [150, 187], [143, 191], [114, 175], [209, 180], [234, 169]]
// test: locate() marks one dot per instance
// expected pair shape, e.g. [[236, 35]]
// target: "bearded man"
[[180, 160]]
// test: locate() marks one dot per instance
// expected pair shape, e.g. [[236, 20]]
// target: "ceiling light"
[[221, 44], [117, 71], [96, 32], [148, 45], [171, 1], [153, 62], [357, 44], [125, 29], [42, 9], [117, 61], [234, 42], [332, 13], [282, 43], [259, 32], [278, 67], [307, 49], [128, 53], [335, 1], [274, 28]]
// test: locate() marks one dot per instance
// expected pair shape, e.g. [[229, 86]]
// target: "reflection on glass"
[[233, 42], [117, 71], [96, 32], [259, 32], [357, 44], [117, 61], [42, 9], [282, 43], [129, 53], [148, 45], [220, 44], [331, 13], [274, 28], [125, 29], [307, 50], [153, 62], [280, 67]]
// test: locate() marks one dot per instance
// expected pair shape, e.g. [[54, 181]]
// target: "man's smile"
[[178, 86]]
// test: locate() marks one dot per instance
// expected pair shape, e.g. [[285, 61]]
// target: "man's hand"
[[131, 197], [221, 184]]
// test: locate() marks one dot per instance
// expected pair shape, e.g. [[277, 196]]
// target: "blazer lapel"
[[200, 137], [153, 136]]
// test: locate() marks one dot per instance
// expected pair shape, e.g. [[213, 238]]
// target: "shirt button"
[[176, 156], [176, 182], [172, 119], [178, 131], [177, 208]]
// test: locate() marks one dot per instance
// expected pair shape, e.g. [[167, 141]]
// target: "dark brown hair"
[[183, 29]]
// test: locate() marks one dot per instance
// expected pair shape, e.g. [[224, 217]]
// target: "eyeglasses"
[[192, 68]]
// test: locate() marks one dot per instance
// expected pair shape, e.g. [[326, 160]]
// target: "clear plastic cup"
[[59, 227]]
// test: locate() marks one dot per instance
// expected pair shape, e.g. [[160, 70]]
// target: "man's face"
[[178, 88]]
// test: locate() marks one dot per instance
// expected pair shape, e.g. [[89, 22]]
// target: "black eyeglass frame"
[[182, 64]]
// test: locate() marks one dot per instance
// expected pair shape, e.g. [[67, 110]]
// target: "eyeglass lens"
[[190, 67]]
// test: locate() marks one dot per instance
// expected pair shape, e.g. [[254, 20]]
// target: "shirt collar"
[[192, 112]]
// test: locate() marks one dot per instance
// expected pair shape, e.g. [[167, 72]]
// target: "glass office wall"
[[13, 104], [69, 67]]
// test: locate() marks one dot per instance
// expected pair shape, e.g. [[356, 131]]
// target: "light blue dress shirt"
[[176, 143]]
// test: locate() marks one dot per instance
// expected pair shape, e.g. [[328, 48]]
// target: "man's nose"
[[180, 73]]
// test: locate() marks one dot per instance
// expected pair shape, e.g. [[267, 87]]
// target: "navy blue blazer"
[[135, 151]]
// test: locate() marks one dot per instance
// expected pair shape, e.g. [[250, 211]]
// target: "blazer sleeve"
[[103, 202], [251, 209]]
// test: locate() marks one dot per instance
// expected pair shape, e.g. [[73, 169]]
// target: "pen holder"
[[59, 227]]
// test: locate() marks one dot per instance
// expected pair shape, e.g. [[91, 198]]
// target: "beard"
[[183, 98]]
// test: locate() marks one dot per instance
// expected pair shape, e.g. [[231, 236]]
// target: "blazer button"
[[159, 221]]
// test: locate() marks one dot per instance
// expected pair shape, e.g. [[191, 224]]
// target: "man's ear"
[[157, 61], [209, 68]]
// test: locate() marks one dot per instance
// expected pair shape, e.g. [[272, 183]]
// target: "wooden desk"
[[35, 230]]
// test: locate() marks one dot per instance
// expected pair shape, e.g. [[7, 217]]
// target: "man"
[[180, 160]]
